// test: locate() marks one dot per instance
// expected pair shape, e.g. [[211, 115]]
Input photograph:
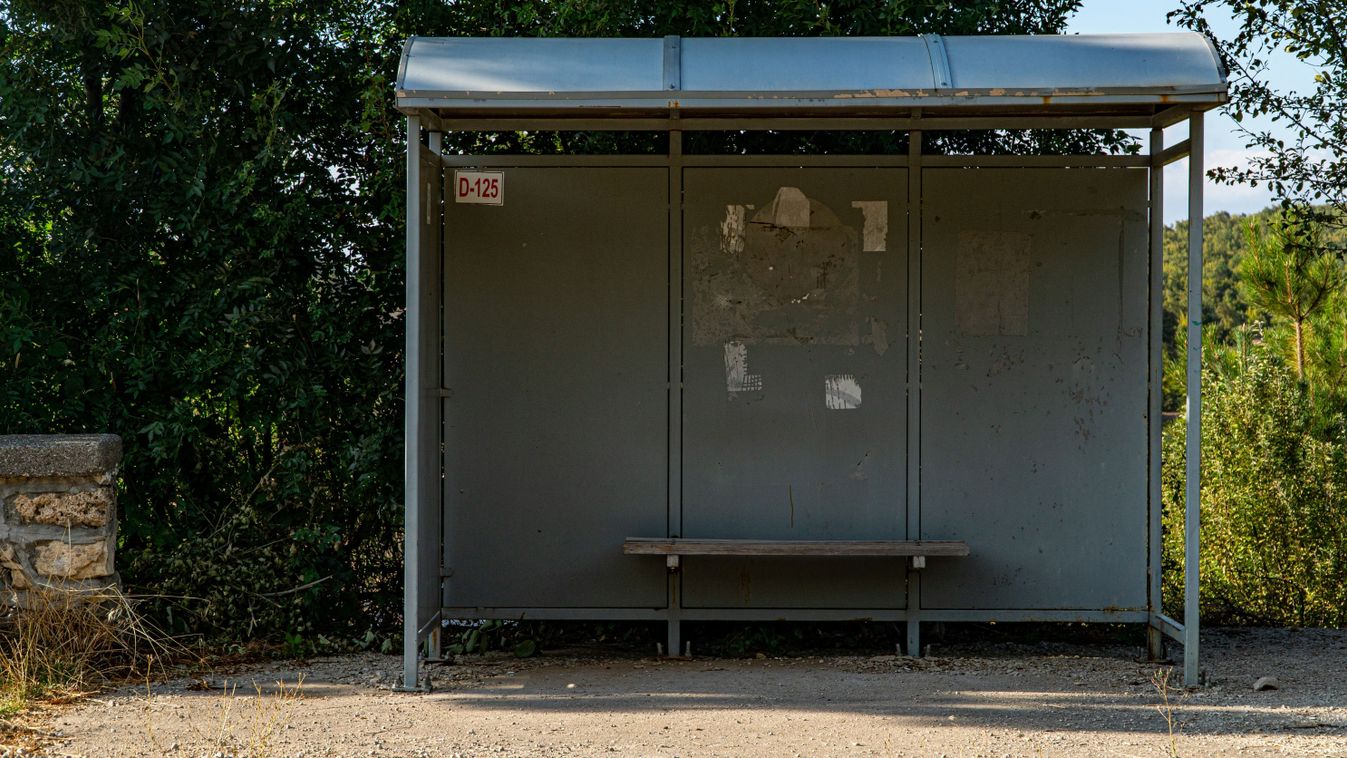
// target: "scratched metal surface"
[[555, 316], [783, 322], [744, 75], [1034, 387]]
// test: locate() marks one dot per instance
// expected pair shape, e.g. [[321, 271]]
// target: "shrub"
[[1274, 510]]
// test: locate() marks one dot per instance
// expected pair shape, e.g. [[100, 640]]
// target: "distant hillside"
[[1222, 250]]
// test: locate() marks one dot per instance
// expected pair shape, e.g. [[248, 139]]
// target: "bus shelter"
[[678, 383]]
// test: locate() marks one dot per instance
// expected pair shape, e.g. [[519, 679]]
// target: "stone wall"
[[58, 523]]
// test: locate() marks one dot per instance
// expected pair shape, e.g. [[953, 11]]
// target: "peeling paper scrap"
[[875, 233], [991, 283], [841, 392], [790, 208], [732, 229], [737, 378]]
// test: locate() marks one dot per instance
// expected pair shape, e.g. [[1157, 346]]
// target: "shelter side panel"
[[556, 356], [1034, 377], [795, 380]]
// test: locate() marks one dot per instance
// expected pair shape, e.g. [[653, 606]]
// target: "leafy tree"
[[201, 234], [1311, 168], [1274, 540], [1286, 273]]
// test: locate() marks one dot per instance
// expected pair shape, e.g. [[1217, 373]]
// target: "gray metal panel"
[[488, 66], [770, 65], [1044, 62], [774, 308], [1034, 362], [853, 74], [556, 363]]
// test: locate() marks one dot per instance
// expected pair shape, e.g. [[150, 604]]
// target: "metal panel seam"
[[939, 60]]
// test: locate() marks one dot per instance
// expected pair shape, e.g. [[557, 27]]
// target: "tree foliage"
[[1274, 491], [1311, 168], [1287, 274], [201, 220]]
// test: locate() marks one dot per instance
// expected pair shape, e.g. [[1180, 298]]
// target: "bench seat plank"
[[859, 548]]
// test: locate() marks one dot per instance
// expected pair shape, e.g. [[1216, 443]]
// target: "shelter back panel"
[[1033, 405], [795, 367], [556, 355]]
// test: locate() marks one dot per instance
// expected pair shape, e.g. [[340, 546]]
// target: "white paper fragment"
[[841, 392], [875, 232], [732, 229], [790, 208], [737, 378]]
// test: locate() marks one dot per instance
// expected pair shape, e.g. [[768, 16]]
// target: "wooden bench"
[[673, 549]]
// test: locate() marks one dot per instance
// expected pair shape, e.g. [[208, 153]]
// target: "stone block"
[[62, 560], [32, 456], [81, 508]]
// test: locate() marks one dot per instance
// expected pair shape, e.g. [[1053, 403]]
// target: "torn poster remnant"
[[789, 209], [841, 392], [732, 229], [737, 378], [786, 273], [875, 229], [991, 283]]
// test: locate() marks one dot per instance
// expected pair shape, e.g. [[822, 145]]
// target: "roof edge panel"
[[453, 74]]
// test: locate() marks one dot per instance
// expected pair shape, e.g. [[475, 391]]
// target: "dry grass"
[[65, 644]]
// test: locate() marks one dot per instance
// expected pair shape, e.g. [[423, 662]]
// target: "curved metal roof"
[[460, 76]]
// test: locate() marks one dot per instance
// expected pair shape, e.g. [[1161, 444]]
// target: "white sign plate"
[[479, 187]]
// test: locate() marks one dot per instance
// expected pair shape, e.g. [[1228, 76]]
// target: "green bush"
[[1274, 501]]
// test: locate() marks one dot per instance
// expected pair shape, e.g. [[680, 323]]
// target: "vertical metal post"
[[1155, 637], [412, 411], [675, 473], [914, 384], [435, 140], [1192, 519]]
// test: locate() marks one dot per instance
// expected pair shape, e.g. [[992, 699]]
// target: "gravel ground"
[[982, 699]]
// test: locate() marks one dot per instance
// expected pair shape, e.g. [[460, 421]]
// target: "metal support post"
[[1192, 519], [914, 383], [675, 471], [412, 413], [1155, 636]]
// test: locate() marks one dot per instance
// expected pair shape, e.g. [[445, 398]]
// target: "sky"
[[1225, 147]]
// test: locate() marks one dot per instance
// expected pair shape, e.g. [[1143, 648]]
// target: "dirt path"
[[974, 700]]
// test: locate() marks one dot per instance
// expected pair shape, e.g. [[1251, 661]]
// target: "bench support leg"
[[1155, 643], [914, 609], [674, 641]]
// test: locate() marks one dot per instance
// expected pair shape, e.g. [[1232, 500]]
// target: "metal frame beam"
[[1155, 395], [675, 424], [792, 123], [412, 546], [913, 509], [801, 161], [1187, 632], [1119, 616], [1192, 513], [1172, 154]]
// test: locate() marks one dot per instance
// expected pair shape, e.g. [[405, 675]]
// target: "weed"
[[1160, 680], [245, 725], [61, 644]]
